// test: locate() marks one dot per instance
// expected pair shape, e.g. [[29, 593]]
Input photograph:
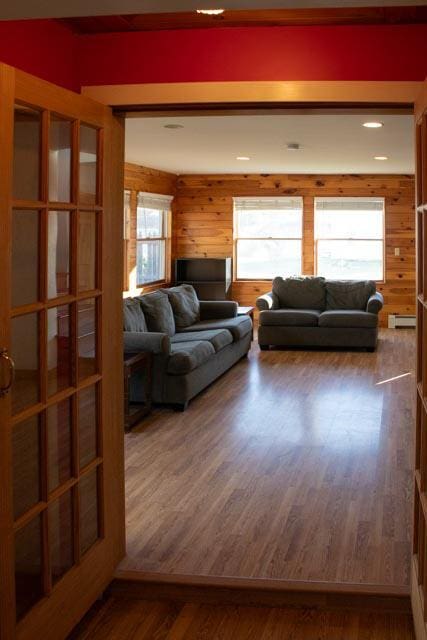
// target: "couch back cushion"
[[158, 312], [300, 293], [348, 294], [133, 315], [185, 305]]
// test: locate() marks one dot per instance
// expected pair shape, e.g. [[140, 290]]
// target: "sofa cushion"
[[158, 312], [352, 319], [289, 318], [300, 293], [186, 356], [133, 316], [219, 338], [185, 304], [348, 294], [238, 327]]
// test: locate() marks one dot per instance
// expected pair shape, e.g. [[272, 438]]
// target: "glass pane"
[[60, 516], [26, 160], [87, 251], [59, 160], [25, 257], [258, 259], [88, 511], [25, 353], [349, 218], [88, 419], [58, 349], [88, 164], [26, 465], [86, 337], [149, 222], [126, 216], [59, 444], [263, 223], [28, 566], [58, 253], [150, 261], [350, 259]]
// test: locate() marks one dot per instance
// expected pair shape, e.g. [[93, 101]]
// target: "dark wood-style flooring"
[[123, 619], [295, 465]]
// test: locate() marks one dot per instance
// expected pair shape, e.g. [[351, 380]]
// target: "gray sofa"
[[314, 312], [193, 341]]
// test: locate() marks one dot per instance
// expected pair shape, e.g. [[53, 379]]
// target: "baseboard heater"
[[397, 321]]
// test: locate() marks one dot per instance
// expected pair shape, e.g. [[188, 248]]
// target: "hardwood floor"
[[120, 619], [294, 465]]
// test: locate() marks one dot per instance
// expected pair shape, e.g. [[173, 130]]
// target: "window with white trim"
[[349, 238], [152, 223], [267, 237]]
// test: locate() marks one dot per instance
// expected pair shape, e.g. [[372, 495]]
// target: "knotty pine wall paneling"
[[203, 223]]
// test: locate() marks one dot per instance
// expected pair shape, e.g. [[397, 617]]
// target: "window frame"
[[165, 235], [345, 239], [236, 237]]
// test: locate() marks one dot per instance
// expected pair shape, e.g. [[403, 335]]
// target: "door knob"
[[11, 366]]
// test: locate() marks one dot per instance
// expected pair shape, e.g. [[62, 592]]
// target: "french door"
[[61, 423]]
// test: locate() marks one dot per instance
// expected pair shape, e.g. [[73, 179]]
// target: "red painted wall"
[[389, 52], [49, 50], [44, 48]]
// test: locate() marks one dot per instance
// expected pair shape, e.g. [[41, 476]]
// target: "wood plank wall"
[[203, 223], [139, 178]]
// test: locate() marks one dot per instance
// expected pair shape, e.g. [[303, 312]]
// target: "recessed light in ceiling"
[[373, 125], [293, 146], [173, 126], [380, 157], [243, 158], [210, 12]]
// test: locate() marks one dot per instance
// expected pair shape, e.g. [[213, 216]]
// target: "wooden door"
[[419, 567], [61, 425]]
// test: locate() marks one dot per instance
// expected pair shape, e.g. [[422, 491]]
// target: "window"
[[126, 237], [152, 222], [349, 238], [268, 237]]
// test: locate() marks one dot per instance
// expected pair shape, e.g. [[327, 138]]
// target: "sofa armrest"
[[375, 303], [217, 309], [136, 341], [265, 302]]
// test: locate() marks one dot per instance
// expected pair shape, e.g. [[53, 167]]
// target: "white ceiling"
[[331, 143], [19, 9]]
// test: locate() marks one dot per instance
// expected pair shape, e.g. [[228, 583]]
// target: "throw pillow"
[[133, 316], [158, 312], [303, 292], [348, 294], [185, 305]]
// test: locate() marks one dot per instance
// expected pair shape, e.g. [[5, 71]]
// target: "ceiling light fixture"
[[373, 125], [210, 12], [380, 157], [293, 146], [173, 126], [243, 158]]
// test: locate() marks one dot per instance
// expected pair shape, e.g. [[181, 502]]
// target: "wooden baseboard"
[[260, 592]]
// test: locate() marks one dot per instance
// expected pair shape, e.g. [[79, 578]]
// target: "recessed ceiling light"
[[243, 158], [373, 125], [210, 12], [173, 126], [380, 157], [293, 146]]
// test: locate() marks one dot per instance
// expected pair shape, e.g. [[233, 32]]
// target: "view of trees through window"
[[151, 232]]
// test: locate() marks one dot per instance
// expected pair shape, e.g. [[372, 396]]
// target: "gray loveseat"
[[314, 312], [193, 341]]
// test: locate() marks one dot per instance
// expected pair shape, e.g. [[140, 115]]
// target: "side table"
[[247, 311], [135, 411]]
